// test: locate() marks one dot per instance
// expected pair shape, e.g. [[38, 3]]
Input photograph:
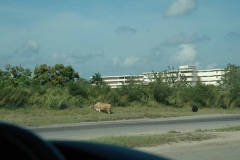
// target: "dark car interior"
[[19, 143]]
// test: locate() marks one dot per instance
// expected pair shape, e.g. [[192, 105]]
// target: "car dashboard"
[[19, 143]]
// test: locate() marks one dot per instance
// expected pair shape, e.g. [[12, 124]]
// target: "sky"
[[119, 37]]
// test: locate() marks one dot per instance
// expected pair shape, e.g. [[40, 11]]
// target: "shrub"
[[13, 97], [76, 89]]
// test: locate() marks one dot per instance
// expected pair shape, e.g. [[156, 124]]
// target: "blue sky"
[[120, 37]]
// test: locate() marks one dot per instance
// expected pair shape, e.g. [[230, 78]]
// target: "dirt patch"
[[181, 149]]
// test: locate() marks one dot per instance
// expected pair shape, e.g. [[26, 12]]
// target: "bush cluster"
[[63, 89]]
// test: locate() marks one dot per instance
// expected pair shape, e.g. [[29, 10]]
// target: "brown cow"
[[99, 106]]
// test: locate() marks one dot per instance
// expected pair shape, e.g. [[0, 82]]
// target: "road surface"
[[141, 126], [227, 146]]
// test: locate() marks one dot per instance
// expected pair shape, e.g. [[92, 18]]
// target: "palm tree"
[[96, 79]]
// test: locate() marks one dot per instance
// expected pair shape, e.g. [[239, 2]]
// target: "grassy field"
[[152, 140], [228, 129], [40, 116]]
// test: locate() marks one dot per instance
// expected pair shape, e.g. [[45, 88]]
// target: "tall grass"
[[151, 140], [167, 89], [82, 94]]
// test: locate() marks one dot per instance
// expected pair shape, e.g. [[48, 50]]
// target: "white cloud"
[[180, 8], [197, 64], [31, 46], [28, 49], [116, 61], [211, 66], [184, 39], [155, 55], [188, 54], [128, 62], [75, 57]]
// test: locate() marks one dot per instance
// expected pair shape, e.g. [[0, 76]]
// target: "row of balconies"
[[213, 78], [207, 77], [210, 74]]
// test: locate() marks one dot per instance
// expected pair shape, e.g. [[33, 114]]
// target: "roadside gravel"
[[225, 146]]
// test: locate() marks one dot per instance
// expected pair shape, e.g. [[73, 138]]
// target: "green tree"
[[96, 79], [62, 75], [230, 84], [158, 89], [57, 75], [4, 75], [178, 85], [133, 90], [175, 79], [201, 95], [16, 75], [42, 74], [79, 88], [231, 76]]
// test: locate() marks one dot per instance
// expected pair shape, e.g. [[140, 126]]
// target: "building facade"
[[118, 81], [190, 72]]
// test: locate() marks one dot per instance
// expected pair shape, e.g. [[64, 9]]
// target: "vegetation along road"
[[98, 129], [52, 97], [227, 143]]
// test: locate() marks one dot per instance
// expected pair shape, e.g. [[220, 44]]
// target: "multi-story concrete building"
[[117, 81], [190, 72], [210, 76]]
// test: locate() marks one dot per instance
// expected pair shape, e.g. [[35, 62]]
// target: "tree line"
[[60, 87]]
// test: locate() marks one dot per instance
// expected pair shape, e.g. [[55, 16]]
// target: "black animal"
[[194, 108]]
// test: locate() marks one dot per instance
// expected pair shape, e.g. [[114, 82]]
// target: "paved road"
[[201, 150], [142, 126]]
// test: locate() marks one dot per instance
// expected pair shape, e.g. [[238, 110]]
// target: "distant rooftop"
[[187, 67]]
